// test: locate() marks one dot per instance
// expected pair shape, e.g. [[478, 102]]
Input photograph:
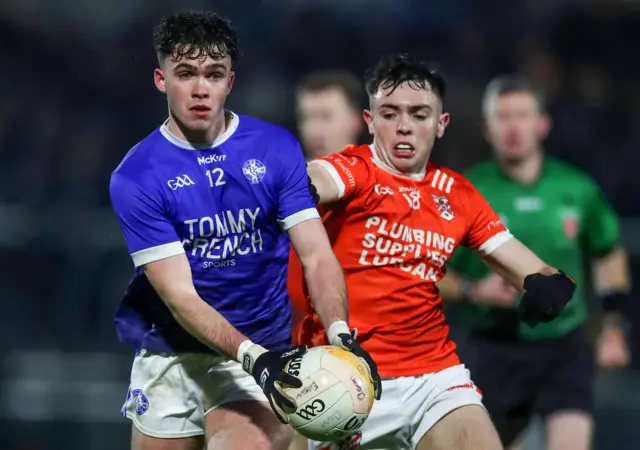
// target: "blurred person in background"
[[329, 117], [394, 218], [328, 110], [203, 202], [560, 213]]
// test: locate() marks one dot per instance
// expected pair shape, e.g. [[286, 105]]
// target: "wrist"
[[613, 302], [338, 327], [467, 291], [248, 353], [615, 322]]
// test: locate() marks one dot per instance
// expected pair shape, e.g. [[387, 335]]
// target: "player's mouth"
[[200, 110], [404, 150]]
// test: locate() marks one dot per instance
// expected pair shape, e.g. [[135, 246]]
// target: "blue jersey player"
[[208, 204]]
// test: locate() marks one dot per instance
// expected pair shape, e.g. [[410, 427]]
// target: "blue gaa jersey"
[[227, 205]]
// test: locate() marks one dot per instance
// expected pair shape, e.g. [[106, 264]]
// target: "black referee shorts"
[[523, 379]]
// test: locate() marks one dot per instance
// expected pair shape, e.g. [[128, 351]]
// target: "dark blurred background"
[[76, 93]]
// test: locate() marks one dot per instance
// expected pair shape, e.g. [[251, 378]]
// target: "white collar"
[[233, 125]]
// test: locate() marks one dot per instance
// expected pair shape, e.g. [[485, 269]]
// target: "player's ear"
[[443, 122], [544, 126], [486, 134], [159, 80], [355, 124], [368, 119], [232, 79]]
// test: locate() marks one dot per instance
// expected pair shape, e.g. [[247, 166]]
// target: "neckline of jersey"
[[233, 126], [544, 168], [422, 176]]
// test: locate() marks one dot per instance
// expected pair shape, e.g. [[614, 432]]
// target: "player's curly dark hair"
[[194, 35], [393, 70]]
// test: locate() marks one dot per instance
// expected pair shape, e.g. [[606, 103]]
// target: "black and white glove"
[[545, 297], [340, 336], [267, 368]]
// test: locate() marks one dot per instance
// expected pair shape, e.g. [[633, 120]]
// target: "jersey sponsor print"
[[393, 236], [226, 205]]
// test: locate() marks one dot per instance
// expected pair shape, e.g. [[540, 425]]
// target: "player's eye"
[[216, 76], [420, 117], [388, 116], [184, 75]]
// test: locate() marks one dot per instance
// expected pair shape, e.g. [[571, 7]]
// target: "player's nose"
[[403, 129], [200, 91]]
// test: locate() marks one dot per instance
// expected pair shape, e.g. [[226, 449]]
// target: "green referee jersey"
[[563, 217]]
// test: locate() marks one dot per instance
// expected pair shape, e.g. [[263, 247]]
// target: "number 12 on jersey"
[[215, 177]]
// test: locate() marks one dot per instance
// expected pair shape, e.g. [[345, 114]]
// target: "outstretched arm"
[[511, 262], [322, 272], [514, 262], [156, 248], [171, 279], [547, 291]]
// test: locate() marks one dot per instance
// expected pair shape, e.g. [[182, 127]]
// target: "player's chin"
[[514, 150], [407, 164], [199, 123], [513, 154]]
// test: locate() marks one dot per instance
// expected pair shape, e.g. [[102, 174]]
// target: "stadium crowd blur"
[[77, 93]]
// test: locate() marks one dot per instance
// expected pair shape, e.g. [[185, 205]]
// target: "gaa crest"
[[254, 170], [444, 207], [570, 225]]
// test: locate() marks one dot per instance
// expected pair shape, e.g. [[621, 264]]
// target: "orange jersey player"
[[394, 220], [393, 236]]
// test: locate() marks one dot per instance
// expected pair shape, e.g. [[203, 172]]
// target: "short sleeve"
[[486, 232], [149, 234], [349, 172], [295, 204], [601, 229]]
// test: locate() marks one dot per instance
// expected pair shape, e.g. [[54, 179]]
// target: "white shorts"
[[409, 407], [170, 394]]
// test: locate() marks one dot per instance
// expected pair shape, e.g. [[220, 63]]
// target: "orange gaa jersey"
[[393, 236]]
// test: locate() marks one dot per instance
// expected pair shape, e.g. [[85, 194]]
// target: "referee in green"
[[560, 213]]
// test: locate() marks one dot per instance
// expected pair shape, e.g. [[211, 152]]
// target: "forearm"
[[323, 275], [327, 288], [514, 262], [612, 283], [206, 324], [516, 278], [611, 273], [453, 287], [171, 279]]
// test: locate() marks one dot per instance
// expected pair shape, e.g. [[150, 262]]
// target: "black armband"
[[614, 301], [313, 191]]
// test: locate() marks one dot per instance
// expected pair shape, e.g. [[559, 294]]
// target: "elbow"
[[321, 260], [177, 300], [173, 303]]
